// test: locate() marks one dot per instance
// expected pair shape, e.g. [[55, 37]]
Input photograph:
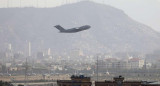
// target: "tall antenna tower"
[[49, 51], [9, 46], [29, 48]]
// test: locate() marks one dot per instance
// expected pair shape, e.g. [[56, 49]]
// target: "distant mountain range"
[[111, 29]]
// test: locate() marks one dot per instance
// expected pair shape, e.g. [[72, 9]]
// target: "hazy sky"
[[144, 11]]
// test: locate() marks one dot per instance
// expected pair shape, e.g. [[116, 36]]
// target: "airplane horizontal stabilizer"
[[59, 27]]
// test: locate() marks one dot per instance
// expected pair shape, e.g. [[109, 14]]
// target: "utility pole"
[[97, 68], [26, 69]]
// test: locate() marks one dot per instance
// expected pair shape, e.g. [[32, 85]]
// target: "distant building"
[[76, 53], [121, 65], [13, 68], [114, 63], [8, 65], [49, 52], [136, 63], [157, 63]]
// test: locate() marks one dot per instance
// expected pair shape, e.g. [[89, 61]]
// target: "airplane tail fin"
[[59, 27]]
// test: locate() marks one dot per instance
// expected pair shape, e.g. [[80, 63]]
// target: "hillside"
[[112, 30]]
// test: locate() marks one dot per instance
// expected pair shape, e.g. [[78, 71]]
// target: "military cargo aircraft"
[[72, 30]]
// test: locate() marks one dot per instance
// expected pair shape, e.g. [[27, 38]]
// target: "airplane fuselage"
[[74, 30]]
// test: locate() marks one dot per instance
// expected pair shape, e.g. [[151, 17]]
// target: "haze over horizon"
[[144, 11]]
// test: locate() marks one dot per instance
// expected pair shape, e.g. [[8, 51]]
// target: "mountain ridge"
[[111, 29]]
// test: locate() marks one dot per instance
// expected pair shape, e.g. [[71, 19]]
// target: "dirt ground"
[[35, 77]]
